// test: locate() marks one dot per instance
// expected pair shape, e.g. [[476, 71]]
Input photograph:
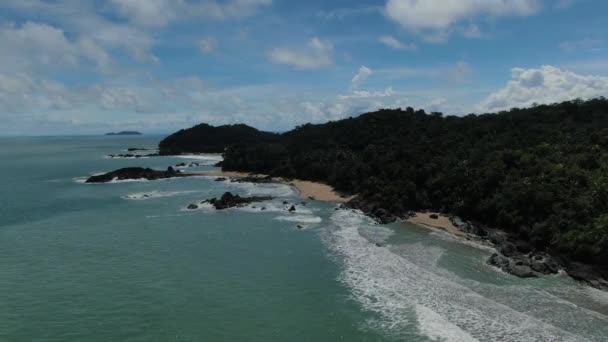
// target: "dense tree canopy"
[[539, 173], [204, 138]]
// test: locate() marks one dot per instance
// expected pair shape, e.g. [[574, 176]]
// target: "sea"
[[127, 261]]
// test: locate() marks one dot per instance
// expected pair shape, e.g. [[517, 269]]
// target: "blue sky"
[[90, 66]]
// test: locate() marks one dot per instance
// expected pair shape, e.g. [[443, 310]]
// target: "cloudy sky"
[[90, 66]]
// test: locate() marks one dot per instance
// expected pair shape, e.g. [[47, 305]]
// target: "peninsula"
[[537, 175]]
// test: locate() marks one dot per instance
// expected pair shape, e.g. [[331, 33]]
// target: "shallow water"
[[127, 262]]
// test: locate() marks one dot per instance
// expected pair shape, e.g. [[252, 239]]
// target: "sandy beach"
[[441, 223], [306, 189]]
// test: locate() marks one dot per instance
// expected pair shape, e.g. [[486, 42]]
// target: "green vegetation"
[[204, 138], [539, 173]]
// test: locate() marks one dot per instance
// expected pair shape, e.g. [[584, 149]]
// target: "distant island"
[[540, 174], [125, 133]]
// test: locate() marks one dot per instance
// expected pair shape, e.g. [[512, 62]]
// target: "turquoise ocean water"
[[126, 262]]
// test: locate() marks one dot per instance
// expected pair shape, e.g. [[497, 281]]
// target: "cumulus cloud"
[[440, 15], [315, 55], [36, 46], [394, 43], [545, 85], [361, 76]]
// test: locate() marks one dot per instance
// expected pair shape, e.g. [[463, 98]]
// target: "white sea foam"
[[80, 180], [404, 294], [266, 189], [299, 218], [207, 159], [155, 194], [438, 329]]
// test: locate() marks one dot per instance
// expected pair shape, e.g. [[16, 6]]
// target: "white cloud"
[[440, 15], [545, 85], [159, 13], [361, 76], [365, 94], [459, 73], [394, 43], [36, 47], [207, 45], [149, 12], [317, 54], [585, 44]]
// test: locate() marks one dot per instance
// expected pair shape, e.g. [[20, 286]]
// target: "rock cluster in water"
[[228, 200], [132, 173], [516, 257]]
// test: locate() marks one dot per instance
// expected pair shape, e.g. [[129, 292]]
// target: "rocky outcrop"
[[525, 265], [588, 275], [516, 257], [136, 173], [133, 149], [372, 209], [228, 200]]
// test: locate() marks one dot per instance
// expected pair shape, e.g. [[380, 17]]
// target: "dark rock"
[[300, 227], [228, 200], [523, 246], [312, 198], [379, 244], [515, 267], [180, 165], [135, 173], [586, 274], [372, 209], [263, 208], [192, 206], [220, 179], [292, 209], [507, 249], [285, 203], [434, 216], [522, 271]]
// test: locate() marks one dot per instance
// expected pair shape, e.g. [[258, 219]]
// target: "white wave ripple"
[[407, 295], [155, 194]]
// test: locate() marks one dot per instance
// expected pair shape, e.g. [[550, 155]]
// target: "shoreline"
[[442, 223], [306, 189], [325, 193]]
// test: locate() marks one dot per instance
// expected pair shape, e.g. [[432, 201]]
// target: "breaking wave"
[[404, 294]]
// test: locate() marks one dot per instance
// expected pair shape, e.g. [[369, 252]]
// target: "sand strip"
[[306, 189], [441, 223]]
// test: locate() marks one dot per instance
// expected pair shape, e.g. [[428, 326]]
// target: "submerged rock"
[[192, 207]]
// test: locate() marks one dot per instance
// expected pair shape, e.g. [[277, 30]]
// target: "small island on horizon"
[[124, 133]]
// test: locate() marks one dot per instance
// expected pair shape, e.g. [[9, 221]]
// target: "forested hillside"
[[539, 173], [204, 138]]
